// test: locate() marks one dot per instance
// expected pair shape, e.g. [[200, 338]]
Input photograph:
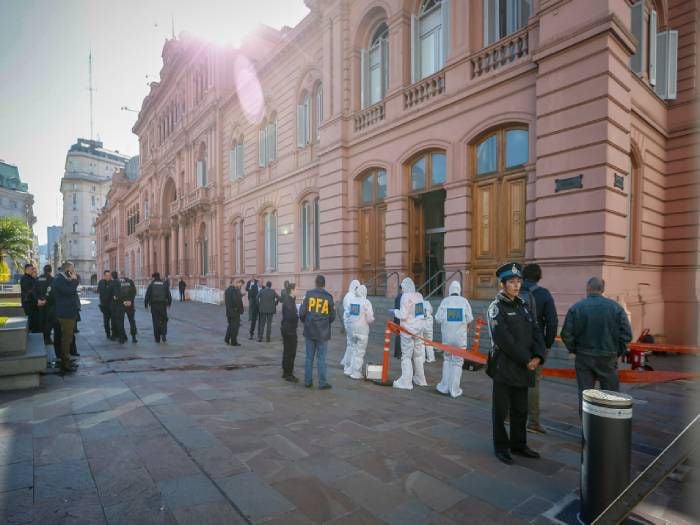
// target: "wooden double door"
[[498, 229], [372, 248]]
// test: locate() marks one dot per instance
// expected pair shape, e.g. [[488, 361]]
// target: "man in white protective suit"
[[454, 315], [349, 297], [428, 331], [361, 316], [412, 316]]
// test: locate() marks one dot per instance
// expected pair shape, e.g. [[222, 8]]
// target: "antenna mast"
[[91, 89]]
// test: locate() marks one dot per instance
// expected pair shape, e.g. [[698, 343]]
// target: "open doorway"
[[427, 241]]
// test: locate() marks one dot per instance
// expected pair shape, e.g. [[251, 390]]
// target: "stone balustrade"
[[424, 90], [369, 116], [506, 51]]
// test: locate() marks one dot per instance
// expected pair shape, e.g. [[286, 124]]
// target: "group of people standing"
[[117, 296], [316, 312], [52, 306]]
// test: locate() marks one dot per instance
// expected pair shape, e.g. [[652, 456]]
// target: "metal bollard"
[[605, 458]]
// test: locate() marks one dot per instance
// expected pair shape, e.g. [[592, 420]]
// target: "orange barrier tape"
[[625, 376]]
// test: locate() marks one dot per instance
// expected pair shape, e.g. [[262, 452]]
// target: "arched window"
[[270, 240], [430, 38], [428, 171], [310, 237], [503, 17], [267, 142], [303, 121], [238, 247], [318, 112], [236, 158], [375, 67], [502, 150]]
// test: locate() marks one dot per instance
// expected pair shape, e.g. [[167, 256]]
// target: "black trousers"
[[106, 318], [182, 295], [118, 312], [265, 321], [254, 313], [45, 322], [234, 324], [289, 352], [507, 399], [159, 315], [31, 310]]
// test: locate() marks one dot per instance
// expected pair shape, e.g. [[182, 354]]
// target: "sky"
[[44, 98]]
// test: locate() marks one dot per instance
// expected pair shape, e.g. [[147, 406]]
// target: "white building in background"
[[15, 200], [85, 184]]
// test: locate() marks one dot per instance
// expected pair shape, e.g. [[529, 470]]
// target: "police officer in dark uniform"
[[26, 284], [104, 290], [517, 350], [317, 312], [234, 309], [45, 311], [123, 295], [158, 297], [252, 287]]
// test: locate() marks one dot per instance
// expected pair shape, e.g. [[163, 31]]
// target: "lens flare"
[[248, 88]]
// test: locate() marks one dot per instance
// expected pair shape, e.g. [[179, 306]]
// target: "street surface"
[[195, 431]]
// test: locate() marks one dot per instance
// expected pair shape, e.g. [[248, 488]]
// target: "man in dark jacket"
[[290, 320], [317, 312], [123, 295], [267, 306], [26, 284], [159, 299], [234, 309], [252, 288], [66, 301], [597, 330], [104, 290], [517, 350], [45, 311], [546, 317], [181, 286]]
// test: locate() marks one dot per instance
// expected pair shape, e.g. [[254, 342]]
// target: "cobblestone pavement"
[[194, 431]]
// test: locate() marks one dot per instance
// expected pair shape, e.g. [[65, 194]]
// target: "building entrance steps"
[[22, 370]]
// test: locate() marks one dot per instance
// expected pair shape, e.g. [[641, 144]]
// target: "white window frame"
[[236, 157], [514, 18], [319, 111], [201, 173], [379, 44], [303, 123], [667, 64], [270, 240], [418, 36]]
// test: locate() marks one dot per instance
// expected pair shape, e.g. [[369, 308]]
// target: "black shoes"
[[526, 452], [505, 457], [236, 344], [291, 379], [325, 387], [163, 338], [157, 339], [133, 339]]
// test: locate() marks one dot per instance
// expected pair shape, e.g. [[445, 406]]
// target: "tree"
[[16, 241]]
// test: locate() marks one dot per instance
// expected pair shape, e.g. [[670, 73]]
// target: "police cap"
[[509, 270]]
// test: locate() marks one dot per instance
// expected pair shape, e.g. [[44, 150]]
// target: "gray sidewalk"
[[194, 431]]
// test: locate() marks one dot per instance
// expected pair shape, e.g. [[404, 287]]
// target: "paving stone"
[[164, 459], [138, 418], [212, 513], [16, 506], [99, 426], [63, 480], [382, 466], [432, 492], [370, 493], [285, 447], [194, 438], [85, 509], [327, 468], [58, 448], [15, 448], [54, 425], [532, 507], [317, 501], [140, 511], [358, 517], [16, 476], [218, 462], [410, 512], [497, 492], [124, 482], [476, 511], [253, 497], [189, 491]]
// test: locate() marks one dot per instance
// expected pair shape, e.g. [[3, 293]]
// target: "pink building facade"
[[428, 138]]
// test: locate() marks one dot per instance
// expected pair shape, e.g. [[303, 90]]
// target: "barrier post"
[[385, 361]]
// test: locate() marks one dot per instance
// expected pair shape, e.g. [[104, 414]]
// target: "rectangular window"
[[262, 147], [317, 234], [637, 27], [271, 242], [667, 65], [319, 112], [201, 173], [272, 141], [303, 123], [305, 237], [240, 161], [503, 17]]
